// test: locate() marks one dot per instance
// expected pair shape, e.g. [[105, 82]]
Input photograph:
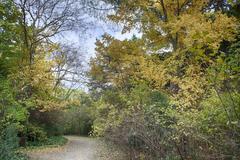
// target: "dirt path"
[[77, 148]]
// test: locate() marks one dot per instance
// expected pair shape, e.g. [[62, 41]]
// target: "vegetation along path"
[[77, 148]]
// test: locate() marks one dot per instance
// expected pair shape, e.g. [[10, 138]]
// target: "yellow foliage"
[[37, 81], [195, 31]]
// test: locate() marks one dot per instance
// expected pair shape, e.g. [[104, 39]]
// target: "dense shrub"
[[214, 130], [150, 127], [35, 133], [9, 143], [49, 142], [51, 121], [74, 119], [77, 121]]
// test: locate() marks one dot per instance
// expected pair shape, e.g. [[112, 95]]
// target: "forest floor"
[[78, 148]]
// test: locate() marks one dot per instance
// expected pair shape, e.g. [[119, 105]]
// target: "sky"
[[85, 41]]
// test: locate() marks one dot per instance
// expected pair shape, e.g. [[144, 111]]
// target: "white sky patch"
[[128, 35], [86, 41], [89, 43]]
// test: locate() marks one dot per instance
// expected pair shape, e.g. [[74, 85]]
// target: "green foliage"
[[177, 102], [171, 94], [11, 111], [78, 119], [35, 133], [78, 122], [74, 119], [52, 122], [210, 129], [9, 144], [52, 141], [10, 37], [26, 87]]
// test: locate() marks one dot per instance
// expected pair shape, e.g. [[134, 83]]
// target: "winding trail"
[[77, 148]]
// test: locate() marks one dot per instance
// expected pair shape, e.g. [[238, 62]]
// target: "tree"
[[116, 63], [41, 20], [188, 51], [185, 48]]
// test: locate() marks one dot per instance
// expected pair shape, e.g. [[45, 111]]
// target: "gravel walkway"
[[77, 148]]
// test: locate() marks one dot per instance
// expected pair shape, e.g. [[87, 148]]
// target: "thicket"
[[33, 72], [172, 93], [9, 144]]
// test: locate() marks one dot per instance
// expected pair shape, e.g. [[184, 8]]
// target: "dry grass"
[[110, 151]]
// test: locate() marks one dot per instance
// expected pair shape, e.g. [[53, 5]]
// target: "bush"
[[35, 133], [212, 130], [51, 141], [56, 140], [77, 121], [9, 144]]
